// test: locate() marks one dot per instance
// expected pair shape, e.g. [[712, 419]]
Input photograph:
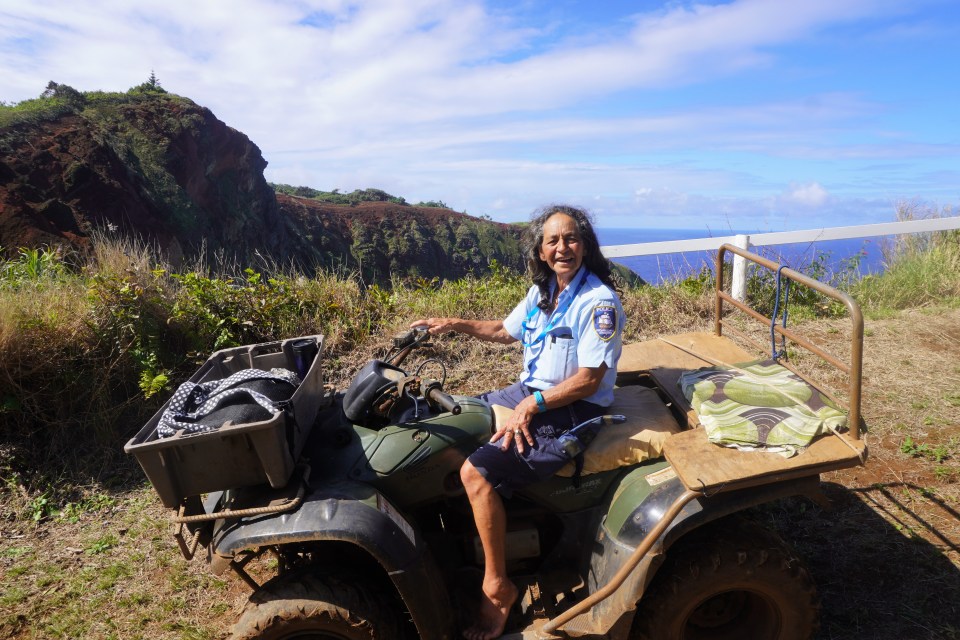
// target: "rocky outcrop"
[[155, 166], [165, 169]]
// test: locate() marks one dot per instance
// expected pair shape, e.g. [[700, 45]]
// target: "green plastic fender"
[[358, 514], [637, 504]]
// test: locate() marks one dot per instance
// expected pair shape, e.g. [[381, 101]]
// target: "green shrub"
[[915, 277], [33, 267], [335, 197], [802, 301]]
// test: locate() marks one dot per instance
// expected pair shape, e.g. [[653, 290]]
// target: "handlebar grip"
[[418, 334], [437, 396], [404, 339]]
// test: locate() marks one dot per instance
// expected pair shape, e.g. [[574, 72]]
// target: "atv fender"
[[357, 514], [642, 498]]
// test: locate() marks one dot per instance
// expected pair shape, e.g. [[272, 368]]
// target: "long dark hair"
[[593, 259]]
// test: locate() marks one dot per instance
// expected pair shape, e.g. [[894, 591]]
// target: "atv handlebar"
[[434, 393], [407, 338], [404, 343]]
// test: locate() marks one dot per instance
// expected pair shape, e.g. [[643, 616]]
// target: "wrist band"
[[541, 403]]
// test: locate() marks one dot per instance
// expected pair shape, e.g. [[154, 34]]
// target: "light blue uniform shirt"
[[586, 333]]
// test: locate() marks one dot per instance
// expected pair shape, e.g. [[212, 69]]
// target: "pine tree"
[[152, 85]]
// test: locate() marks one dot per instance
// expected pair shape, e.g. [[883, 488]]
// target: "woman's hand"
[[517, 428], [580, 385], [437, 325]]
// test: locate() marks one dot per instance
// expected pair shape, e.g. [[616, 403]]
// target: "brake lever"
[[421, 334]]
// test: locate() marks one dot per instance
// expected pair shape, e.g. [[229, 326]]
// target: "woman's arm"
[[489, 330], [582, 384]]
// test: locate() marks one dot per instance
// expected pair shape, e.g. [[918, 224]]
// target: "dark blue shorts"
[[508, 470]]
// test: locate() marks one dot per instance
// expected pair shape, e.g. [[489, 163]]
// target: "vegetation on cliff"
[[354, 197], [153, 165], [144, 163]]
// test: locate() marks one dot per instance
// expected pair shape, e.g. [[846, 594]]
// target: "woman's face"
[[562, 247]]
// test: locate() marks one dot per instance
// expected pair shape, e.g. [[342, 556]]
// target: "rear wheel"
[[726, 584], [311, 607]]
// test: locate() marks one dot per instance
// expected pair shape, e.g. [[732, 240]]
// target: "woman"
[[570, 324]]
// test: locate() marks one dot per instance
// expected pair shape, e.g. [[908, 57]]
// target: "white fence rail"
[[780, 237]]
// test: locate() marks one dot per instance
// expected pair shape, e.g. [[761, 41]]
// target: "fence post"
[[738, 286]]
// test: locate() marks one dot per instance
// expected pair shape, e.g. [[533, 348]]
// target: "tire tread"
[[351, 612], [695, 564]]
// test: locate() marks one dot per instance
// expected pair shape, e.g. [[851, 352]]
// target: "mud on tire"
[[736, 580], [317, 607]]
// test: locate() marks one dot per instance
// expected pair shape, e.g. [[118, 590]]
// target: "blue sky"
[[756, 115]]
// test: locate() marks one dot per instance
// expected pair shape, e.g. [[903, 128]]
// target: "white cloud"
[[405, 61], [807, 195], [487, 109]]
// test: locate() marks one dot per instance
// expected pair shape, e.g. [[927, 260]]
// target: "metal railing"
[[853, 369]]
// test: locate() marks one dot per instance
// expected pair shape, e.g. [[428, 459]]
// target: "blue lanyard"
[[557, 314]]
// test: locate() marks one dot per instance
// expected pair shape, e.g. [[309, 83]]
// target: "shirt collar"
[[574, 283]]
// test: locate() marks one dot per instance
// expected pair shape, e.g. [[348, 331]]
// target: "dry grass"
[[886, 560], [44, 312], [653, 311], [86, 551]]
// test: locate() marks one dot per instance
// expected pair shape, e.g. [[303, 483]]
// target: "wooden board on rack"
[[705, 466]]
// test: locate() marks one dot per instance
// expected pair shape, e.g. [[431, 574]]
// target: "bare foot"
[[494, 610]]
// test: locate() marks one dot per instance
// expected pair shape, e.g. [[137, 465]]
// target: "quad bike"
[[352, 502]]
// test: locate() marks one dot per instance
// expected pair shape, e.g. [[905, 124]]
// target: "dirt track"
[[886, 558]]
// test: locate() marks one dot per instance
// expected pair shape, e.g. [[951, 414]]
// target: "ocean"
[[674, 266]]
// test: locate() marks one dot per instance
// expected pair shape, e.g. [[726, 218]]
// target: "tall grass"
[[89, 349], [921, 269]]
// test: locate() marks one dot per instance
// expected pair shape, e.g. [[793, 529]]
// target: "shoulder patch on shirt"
[[605, 321]]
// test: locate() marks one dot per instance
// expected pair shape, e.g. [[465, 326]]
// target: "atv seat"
[[666, 359], [648, 426]]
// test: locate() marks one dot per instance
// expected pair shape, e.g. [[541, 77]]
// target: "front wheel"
[[312, 607], [728, 584]]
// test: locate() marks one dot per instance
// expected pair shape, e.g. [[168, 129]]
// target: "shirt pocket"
[[558, 359]]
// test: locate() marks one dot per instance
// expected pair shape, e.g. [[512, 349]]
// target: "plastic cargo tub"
[[237, 455]]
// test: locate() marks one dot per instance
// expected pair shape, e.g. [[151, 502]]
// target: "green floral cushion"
[[759, 405]]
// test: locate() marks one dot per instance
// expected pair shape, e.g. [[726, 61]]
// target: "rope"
[[287, 505], [776, 355]]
